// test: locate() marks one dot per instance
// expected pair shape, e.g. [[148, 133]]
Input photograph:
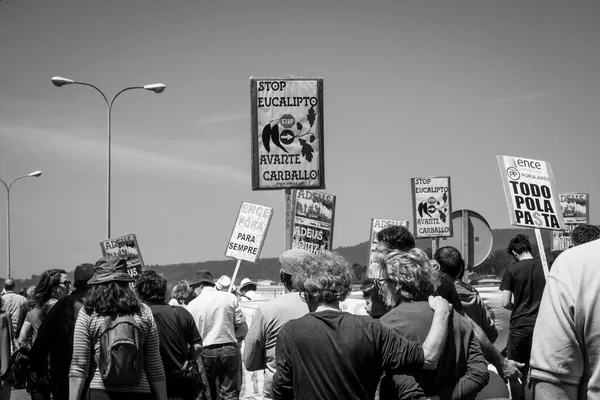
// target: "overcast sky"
[[412, 88]]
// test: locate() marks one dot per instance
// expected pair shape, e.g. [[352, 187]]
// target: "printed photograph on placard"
[[249, 232], [377, 225], [126, 248], [574, 207], [287, 133], [313, 218], [530, 193], [432, 206]]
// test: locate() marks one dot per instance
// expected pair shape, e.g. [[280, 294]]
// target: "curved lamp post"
[[34, 174], [155, 87]]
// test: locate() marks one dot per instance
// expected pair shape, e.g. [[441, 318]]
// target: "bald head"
[[9, 284]]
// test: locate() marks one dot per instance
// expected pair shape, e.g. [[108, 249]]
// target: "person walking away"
[[399, 238], [331, 354], [218, 316], [12, 302], [56, 337], [177, 332], [271, 316], [112, 313], [247, 291], [407, 279], [6, 344], [522, 287], [180, 292], [565, 354]]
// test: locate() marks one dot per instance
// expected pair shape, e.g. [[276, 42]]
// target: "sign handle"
[[538, 238], [288, 219], [465, 235], [435, 245], [235, 272]]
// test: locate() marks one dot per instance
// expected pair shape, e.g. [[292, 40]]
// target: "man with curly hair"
[[584, 233], [330, 354]]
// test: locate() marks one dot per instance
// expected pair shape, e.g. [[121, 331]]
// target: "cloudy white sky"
[[412, 88]]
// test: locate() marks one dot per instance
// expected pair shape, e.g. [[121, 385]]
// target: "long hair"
[[112, 298], [45, 286]]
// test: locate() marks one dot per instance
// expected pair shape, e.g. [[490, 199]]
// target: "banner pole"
[[235, 272], [287, 242], [538, 238], [435, 244]]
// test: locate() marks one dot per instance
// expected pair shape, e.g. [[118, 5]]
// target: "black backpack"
[[120, 360]]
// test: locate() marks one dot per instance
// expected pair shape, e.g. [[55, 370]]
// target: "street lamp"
[[155, 87], [34, 174]]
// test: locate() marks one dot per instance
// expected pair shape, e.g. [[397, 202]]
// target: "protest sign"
[[376, 226], [125, 247], [312, 220], [287, 133], [530, 193], [575, 211], [575, 207], [249, 232], [432, 205]]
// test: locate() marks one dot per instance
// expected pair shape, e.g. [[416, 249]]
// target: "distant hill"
[[268, 268]]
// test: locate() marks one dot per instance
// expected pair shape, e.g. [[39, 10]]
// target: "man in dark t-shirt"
[[522, 287]]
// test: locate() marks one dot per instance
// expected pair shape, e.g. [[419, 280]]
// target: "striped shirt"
[[87, 334]]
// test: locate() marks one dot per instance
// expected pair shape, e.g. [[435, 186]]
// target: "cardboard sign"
[[432, 206], [561, 240], [376, 226], [312, 220], [530, 193], [575, 207], [126, 248], [287, 133], [249, 232]]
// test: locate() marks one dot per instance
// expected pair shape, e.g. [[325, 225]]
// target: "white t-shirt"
[[566, 338]]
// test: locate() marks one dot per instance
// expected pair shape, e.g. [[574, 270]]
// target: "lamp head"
[[60, 81], [156, 87], [35, 174]]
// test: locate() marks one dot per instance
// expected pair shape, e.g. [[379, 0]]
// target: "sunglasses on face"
[[66, 283]]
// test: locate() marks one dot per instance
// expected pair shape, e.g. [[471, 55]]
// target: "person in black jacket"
[[55, 337]]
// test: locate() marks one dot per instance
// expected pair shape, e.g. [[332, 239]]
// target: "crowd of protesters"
[[427, 335]]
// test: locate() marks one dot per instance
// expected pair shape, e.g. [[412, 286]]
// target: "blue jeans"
[[222, 363]]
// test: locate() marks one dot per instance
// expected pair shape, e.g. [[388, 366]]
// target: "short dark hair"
[[584, 233], [519, 244], [450, 260], [152, 288], [287, 280], [396, 237]]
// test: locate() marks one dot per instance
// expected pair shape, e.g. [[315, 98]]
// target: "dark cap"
[[83, 273], [108, 269], [203, 276]]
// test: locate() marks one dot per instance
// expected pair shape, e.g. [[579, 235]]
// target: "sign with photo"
[[530, 192], [287, 133], [376, 226], [561, 240], [249, 232], [575, 207], [312, 220], [126, 248], [432, 206]]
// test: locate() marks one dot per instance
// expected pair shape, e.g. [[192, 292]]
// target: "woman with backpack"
[[116, 340], [180, 340]]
